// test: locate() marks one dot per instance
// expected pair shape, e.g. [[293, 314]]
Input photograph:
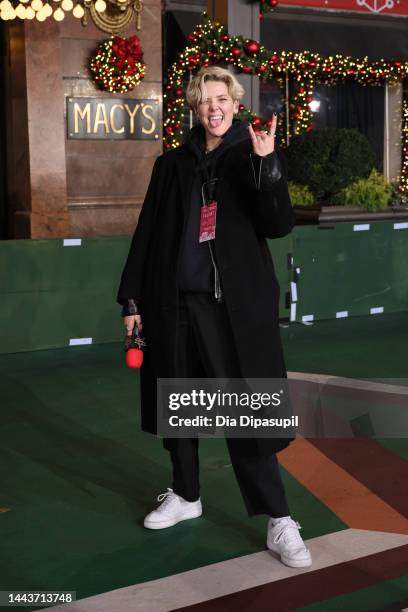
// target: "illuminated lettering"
[[112, 119], [82, 114], [152, 121], [101, 110], [132, 116]]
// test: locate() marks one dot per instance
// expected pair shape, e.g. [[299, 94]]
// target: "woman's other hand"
[[129, 323]]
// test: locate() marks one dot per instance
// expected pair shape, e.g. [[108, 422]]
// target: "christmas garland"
[[118, 65], [403, 185], [211, 44], [266, 6]]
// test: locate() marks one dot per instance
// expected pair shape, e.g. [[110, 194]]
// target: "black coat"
[[246, 216]]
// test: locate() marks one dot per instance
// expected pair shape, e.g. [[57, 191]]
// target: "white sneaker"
[[172, 510], [284, 538]]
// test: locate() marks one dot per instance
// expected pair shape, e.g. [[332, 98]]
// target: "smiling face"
[[217, 112]]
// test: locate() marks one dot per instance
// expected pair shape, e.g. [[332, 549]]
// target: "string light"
[[266, 6], [78, 11], [59, 14], [100, 6], [403, 184], [16, 8], [210, 44]]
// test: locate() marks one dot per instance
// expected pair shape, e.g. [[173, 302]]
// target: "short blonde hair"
[[197, 91]]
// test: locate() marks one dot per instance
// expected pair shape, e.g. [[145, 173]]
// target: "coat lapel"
[[186, 168]]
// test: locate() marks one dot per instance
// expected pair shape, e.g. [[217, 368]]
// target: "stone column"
[[240, 17], [62, 187], [37, 149], [392, 130], [107, 179]]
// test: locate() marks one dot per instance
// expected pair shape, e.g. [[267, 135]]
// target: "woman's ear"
[[236, 107]]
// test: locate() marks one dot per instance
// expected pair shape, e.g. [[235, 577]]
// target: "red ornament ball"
[[179, 92], [235, 52], [168, 129], [247, 69], [252, 47], [256, 122]]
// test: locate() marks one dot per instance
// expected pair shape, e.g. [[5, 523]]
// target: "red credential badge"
[[208, 221]]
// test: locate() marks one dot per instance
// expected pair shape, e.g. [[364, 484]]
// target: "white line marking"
[[350, 383], [235, 575], [342, 314], [78, 341], [362, 227], [72, 241], [293, 291]]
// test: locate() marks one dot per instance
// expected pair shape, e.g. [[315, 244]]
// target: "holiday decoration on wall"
[[211, 44], [37, 9], [112, 16], [117, 65], [266, 6], [404, 171]]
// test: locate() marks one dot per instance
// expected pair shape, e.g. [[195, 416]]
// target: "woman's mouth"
[[215, 120]]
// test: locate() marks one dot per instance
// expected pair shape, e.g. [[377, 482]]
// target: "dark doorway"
[[351, 105], [3, 136]]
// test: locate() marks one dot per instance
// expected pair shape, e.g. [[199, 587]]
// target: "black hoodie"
[[196, 267]]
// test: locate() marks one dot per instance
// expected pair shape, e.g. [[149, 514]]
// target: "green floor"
[[78, 476]]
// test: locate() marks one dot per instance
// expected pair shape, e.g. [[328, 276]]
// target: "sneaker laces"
[[166, 498], [288, 530]]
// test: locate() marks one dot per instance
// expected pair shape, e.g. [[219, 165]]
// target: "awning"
[[329, 33]]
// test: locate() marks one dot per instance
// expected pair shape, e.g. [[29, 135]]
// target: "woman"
[[198, 301]]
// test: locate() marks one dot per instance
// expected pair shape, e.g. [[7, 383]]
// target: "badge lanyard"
[[208, 223], [208, 207]]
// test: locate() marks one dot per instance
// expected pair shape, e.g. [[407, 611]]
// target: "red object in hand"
[[134, 346], [134, 358]]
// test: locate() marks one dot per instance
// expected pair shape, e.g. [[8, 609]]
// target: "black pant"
[[206, 349]]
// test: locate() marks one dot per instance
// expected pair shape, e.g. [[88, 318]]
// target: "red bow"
[[127, 49]]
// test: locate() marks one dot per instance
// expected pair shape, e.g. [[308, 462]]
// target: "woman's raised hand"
[[264, 142]]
